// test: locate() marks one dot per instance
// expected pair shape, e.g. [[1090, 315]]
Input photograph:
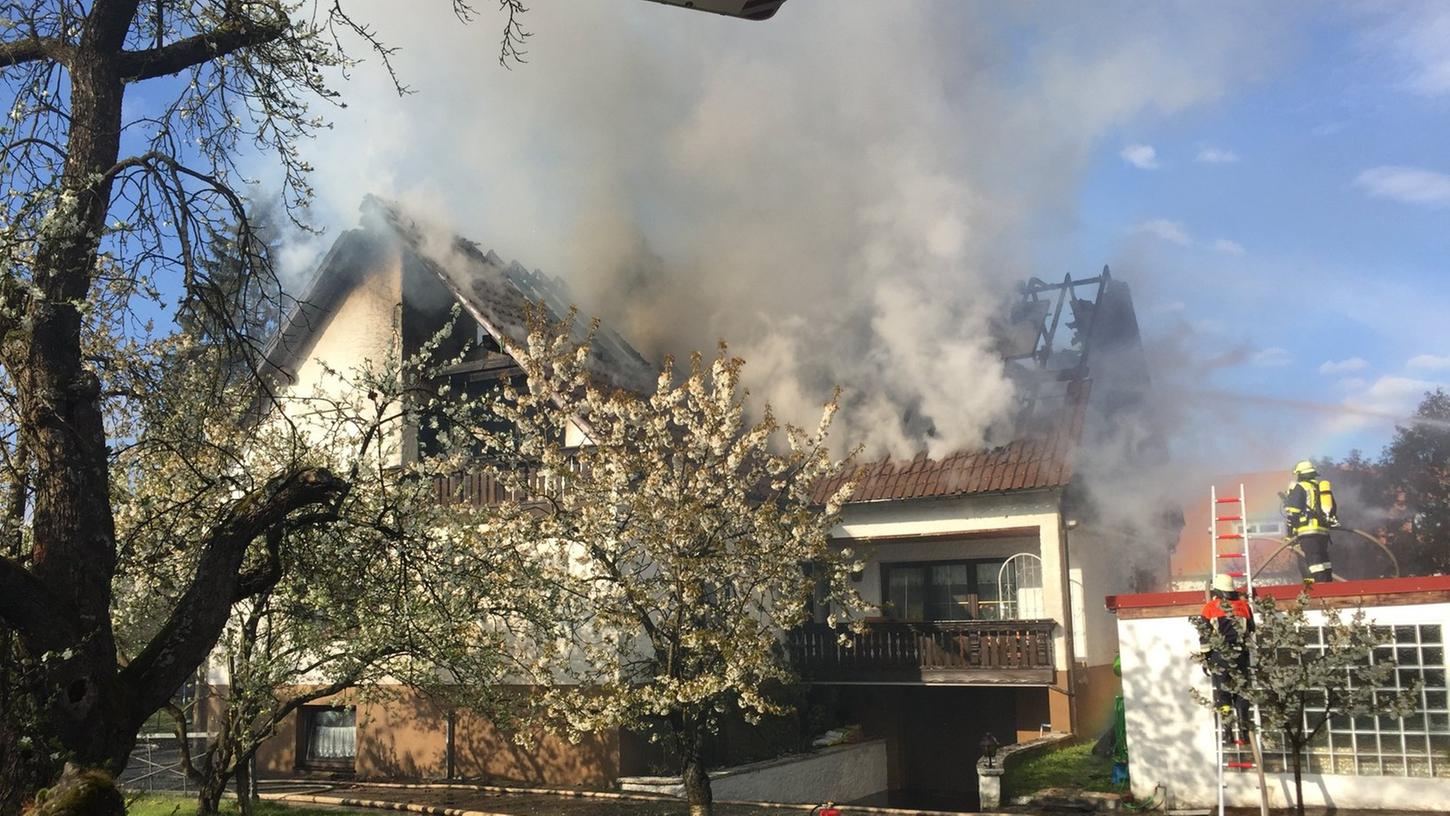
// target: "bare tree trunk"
[[690, 737], [1298, 780], [244, 785], [209, 794]]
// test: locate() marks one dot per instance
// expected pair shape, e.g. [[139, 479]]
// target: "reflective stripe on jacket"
[[1309, 507]]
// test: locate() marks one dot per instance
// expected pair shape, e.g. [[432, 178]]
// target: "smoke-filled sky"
[[846, 191]]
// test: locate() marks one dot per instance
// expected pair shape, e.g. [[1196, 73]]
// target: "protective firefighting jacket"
[[1309, 507]]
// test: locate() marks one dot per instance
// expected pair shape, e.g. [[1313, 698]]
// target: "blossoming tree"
[[685, 533]]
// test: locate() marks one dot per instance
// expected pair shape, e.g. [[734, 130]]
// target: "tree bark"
[[73, 552], [60, 601], [244, 784], [209, 795], [690, 737], [1298, 781]]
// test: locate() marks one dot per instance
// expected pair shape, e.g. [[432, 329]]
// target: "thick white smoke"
[[845, 193]]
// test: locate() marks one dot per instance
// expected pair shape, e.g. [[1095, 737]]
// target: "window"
[[328, 738], [1273, 528], [1418, 745], [1266, 528], [942, 591]]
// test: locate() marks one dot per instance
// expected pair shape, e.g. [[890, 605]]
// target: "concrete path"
[[470, 800]]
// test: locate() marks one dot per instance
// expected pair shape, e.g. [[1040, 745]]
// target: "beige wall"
[[402, 734]]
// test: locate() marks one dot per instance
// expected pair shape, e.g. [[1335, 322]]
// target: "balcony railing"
[[479, 488], [1012, 652]]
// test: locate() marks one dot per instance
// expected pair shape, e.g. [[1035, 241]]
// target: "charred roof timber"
[[1041, 362]]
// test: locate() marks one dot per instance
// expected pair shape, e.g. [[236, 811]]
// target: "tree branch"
[[197, 620], [33, 49], [30, 608], [263, 577], [232, 35]]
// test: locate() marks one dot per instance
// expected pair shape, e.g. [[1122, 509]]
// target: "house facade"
[[980, 567]]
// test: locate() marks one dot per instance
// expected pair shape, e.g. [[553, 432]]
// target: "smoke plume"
[[846, 193]]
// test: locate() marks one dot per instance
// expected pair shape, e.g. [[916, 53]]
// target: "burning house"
[[983, 568]]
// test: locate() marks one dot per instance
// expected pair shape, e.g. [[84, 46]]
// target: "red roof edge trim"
[[1338, 589]]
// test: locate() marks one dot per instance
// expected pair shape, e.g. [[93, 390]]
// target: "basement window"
[[328, 738]]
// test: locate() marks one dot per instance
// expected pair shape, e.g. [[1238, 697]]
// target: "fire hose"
[[1289, 542]]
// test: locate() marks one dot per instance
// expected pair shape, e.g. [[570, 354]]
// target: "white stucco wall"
[[356, 331], [1102, 565], [1171, 737], [901, 521], [843, 773]]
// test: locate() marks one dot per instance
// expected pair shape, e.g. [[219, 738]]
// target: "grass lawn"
[[161, 804], [1070, 767]]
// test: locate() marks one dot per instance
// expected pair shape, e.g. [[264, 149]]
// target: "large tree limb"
[[264, 576], [106, 25], [197, 620], [32, 49], [232, 35], [30, 608]]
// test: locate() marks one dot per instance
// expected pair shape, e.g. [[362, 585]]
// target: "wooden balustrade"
[[960, 652], [481, 488]]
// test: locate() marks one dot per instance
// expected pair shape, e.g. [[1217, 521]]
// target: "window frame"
[[973, 604], [306, 717]]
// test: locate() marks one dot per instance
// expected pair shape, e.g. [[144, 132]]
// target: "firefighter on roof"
[[1229, 614], [1309, 512]]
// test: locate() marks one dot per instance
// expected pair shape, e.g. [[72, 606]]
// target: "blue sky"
[[1304, 220]]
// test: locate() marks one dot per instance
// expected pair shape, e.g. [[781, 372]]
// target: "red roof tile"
[[1037, 460]]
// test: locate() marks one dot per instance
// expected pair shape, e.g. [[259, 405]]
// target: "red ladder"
[[1235, 560]]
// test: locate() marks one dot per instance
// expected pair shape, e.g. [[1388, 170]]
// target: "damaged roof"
[[500, 295], [497, 294], [1038, 459], [1050, 372]]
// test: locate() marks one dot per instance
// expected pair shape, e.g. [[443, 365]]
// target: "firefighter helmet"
[[1305, 469], [1223, 582]]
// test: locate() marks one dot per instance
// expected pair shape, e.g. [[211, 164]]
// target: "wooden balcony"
[[479, 488], [1013, 652]]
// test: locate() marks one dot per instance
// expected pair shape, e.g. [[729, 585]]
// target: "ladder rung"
[[1232, 535], [1230, 500], [1230, 555], [1238, 764], [1228, 518], [1234, 574]]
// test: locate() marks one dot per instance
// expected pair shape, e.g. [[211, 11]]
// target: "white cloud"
[[1387, 399], [1272, 357], [1429, 362], [1215, 155], [1166, 230], [1141, 156], [1411, 185], [1228, 247], [1419, 39], [1343, 366]]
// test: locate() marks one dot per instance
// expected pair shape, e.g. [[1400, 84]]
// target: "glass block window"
[[1418, 745]]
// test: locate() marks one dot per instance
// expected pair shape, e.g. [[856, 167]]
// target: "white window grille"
[[1019, 587]]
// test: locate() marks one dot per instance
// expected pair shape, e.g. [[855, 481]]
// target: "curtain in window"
[[333, 734], [904, 593]]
